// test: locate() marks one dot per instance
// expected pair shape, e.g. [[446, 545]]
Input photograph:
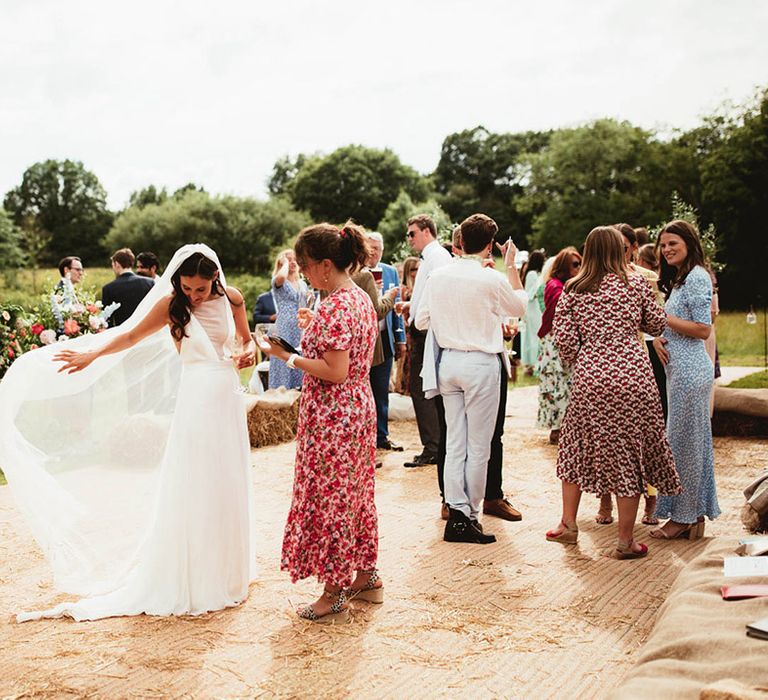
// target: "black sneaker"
[[460, 528], [389, 445], [421, 460]]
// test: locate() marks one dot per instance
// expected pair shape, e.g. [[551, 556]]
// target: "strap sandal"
[[338, 613], [370, 592]]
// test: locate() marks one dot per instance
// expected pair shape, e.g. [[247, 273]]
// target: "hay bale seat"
[[698, 647], [272, 416], [740, 412]]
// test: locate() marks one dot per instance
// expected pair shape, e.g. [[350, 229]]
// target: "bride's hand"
[[248, 357], [74, 361]]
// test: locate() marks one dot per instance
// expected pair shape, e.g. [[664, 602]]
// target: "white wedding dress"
[[134, 474]]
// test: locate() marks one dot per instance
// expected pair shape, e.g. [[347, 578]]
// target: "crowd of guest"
[[619, 334]]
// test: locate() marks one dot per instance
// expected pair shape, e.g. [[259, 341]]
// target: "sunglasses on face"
[[576, 263], [411, 234]]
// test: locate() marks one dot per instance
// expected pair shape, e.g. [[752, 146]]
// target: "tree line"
[[546, 189]]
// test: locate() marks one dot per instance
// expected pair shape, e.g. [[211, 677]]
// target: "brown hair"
[[124, 257], [669, 276], [642, 235], [477, 231], [561, 265], [196, 265], [408, 265], [627, 231], [345, 246], [647, 254], [603, 255], [424, 221], [66, 263]]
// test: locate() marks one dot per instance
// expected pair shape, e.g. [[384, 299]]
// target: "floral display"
[[60, 315]]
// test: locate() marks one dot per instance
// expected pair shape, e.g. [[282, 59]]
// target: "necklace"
[[340, 285]]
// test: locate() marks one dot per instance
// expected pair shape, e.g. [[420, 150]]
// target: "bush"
[[244, 232]]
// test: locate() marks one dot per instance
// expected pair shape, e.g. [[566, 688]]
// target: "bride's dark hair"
[[179, 310]]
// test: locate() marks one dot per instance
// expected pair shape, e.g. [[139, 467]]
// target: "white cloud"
[[167, 92]]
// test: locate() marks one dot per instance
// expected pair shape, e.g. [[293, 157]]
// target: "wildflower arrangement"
[[61, 314]]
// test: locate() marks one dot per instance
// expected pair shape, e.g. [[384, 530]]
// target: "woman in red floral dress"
[[332, 528], [613, 438]]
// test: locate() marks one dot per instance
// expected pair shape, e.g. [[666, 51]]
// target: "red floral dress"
[[613, 438], [332, 527]]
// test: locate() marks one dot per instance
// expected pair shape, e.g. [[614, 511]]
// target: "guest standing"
[[391, 340], [612, 439], [127, 289], [690, 375], [554, 379], [430, 418], [403, 373], [529, 331], [264, 311], [290, 293], [465, 305], [331, 531], [147, 265]]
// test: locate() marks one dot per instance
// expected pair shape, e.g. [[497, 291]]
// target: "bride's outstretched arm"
[[151, 323], [242, 329]]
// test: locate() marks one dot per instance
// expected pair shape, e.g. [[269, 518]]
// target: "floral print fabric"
[[554, 385], [332, 527], [612, 439], [690, 376]]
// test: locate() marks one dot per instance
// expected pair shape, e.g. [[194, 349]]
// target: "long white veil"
[[81, 452]]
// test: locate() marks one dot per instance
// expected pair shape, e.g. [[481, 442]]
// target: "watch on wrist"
[[291, 361]]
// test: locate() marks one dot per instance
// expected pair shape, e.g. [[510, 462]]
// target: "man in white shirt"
[[422, 236], [464, 305]]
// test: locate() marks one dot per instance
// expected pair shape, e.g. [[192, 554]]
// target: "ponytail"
[[345, 246]]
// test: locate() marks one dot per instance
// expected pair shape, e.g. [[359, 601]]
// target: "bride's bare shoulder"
[[235, 296]]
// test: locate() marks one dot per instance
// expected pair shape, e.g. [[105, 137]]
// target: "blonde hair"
[[408, 265], [603, 255], [277, 259]]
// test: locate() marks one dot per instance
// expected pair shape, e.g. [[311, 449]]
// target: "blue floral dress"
[[288, 300], [689, 383]]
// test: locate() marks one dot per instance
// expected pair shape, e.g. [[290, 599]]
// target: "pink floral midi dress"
[[332, 528]]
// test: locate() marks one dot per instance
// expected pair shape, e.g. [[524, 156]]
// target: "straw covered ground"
[[520, 618]]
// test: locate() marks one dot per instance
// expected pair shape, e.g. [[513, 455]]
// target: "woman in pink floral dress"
[[613, 438], [332, 528]]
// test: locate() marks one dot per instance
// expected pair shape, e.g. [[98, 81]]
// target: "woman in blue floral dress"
[[689, 381], [290, 294]]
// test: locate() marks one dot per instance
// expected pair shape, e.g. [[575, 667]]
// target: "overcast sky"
[[159, 92]]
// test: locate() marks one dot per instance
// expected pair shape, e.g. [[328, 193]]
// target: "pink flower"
[[37, 328], [92, 308], [47, 337], [71, 327], [11, 353], [33, 347]]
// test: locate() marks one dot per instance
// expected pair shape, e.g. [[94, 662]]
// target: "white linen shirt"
[[464, 304], [433, 256]]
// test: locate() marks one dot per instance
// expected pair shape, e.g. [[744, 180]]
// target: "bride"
[[127, 452]]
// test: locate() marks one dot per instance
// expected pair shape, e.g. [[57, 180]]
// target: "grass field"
[[758, 380]]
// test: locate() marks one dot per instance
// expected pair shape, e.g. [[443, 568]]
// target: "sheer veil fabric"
[[133, 474]]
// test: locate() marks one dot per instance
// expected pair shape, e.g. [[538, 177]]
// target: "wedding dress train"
[[140, 499]]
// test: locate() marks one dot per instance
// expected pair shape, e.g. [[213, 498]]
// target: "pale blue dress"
[[288, 300], [689, 384]]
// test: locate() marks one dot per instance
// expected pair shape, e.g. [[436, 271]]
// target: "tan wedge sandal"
[[370, 593]]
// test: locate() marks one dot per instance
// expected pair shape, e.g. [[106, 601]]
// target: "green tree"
[[243, 231], [284, 173], [393, 224], [734, 177], [148, 195], [601, 173], [67, 201], [352, 182], [11, 252], [480, 171]]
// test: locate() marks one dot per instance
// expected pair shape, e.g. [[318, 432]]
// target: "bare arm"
[[282, 273], [690, 328], [154, 321], [242, 329]]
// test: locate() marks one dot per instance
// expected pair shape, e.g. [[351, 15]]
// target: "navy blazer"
[[395, 330], [264, 309], [128, 290]]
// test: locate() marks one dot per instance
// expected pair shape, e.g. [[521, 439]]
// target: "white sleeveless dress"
[[196, 554]]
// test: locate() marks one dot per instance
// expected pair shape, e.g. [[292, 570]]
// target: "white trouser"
[[469, 384]]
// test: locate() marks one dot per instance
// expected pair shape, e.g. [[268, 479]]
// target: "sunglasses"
[[576, 263], [410, 234]]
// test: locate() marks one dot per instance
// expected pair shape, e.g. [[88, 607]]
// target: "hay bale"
[[747, 402], [272, 416]]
